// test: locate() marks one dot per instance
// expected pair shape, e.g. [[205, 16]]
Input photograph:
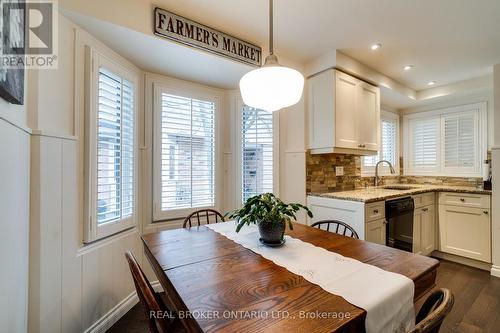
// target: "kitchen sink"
[[398, 187]]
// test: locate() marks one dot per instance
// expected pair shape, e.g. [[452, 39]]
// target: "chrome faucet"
[[377, 178]]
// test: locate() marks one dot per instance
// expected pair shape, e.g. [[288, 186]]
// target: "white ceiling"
[[446, 40]]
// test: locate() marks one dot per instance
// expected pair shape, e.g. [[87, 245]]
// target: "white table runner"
[[387, 297]]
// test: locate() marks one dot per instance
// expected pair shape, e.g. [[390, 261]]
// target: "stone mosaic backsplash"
[[321, 177]]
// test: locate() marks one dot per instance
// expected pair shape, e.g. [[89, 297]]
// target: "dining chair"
[[340, 227], [160, 318], [203, 214], [432, 313]]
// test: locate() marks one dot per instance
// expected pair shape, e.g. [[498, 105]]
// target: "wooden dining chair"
[[432, 313], [204, 216], [160, 318], [338, 227]]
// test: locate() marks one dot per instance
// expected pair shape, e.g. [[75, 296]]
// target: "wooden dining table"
[[217, 285]]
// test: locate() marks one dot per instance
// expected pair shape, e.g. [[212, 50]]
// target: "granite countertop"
[[372, 194]]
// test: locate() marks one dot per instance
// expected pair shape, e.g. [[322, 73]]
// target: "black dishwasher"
[[399, 216]]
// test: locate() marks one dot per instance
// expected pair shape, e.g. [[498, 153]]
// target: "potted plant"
[[271, 216]]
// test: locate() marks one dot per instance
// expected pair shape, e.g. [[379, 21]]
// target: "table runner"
[[387, 297]]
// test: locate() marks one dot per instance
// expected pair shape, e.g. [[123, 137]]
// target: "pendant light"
[[271, 87]]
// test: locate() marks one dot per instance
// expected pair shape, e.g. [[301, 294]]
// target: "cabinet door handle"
[[485, 212], [425, 209], [375, 211], [462, 199]]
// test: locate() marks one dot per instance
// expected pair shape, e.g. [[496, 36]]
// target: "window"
[[185, 153], [424, 147], [111, 126], [446, 142], [389, 146], [257, 152]]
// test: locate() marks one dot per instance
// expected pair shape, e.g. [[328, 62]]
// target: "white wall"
[[14, 215], [72, 285], [495, 156], [14, 225]]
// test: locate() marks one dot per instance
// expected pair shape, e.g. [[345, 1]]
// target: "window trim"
[[238, 152], [92, 231], [384, 170], [482, 138], [192, 92]]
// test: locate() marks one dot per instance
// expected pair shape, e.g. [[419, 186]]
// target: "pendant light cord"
[[271, 27]]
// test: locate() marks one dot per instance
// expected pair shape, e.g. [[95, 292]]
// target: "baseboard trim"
[[495, 271], [112, 316], [461, 260]]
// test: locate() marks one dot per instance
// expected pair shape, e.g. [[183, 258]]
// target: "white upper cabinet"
[[343, 114], [346, 119]]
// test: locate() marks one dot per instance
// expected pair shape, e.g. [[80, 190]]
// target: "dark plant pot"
[[272, 233]]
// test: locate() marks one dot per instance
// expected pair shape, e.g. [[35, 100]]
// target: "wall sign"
[[185, 31]]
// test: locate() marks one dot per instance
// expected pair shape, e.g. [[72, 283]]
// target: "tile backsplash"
[[321, 177]]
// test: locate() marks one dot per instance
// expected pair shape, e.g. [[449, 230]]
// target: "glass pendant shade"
[[271, 87]]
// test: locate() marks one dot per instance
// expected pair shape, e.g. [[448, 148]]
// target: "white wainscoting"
[[14, 226], [72, 288]]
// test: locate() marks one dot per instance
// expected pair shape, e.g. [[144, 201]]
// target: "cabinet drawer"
[[424, 199], [465, 200], [375, 211]]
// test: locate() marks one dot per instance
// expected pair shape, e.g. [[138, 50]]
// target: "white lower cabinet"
[[375, 231], [465, 231], [424, 230], [462, 225]]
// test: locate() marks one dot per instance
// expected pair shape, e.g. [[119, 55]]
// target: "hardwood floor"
[[477, 299], [476, 309]]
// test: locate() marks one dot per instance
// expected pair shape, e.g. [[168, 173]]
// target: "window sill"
[[92, 246]]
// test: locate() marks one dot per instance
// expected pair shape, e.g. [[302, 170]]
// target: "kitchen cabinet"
[[343, 114], [375, 231], [424, 230], [465, 226]]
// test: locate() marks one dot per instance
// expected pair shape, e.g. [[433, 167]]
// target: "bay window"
[[257, 152], [111, 148], [184, 153]]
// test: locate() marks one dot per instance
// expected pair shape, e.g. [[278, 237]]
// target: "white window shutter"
[[460, 140], [389, 141], [187, 152], [115, 148], [424, 143], [388, 145], [257, 152]]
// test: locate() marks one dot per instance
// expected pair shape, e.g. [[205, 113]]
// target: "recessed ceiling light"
[[407, 67], [376, 46], [431, 83]]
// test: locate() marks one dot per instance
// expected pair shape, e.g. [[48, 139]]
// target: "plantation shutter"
[[187, 152], [460, 140], [257, 152], [115, 148], [388, 144], [424, 142], [389, 141]]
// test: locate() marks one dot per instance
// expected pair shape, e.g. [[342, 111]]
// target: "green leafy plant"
[[266, 208]]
